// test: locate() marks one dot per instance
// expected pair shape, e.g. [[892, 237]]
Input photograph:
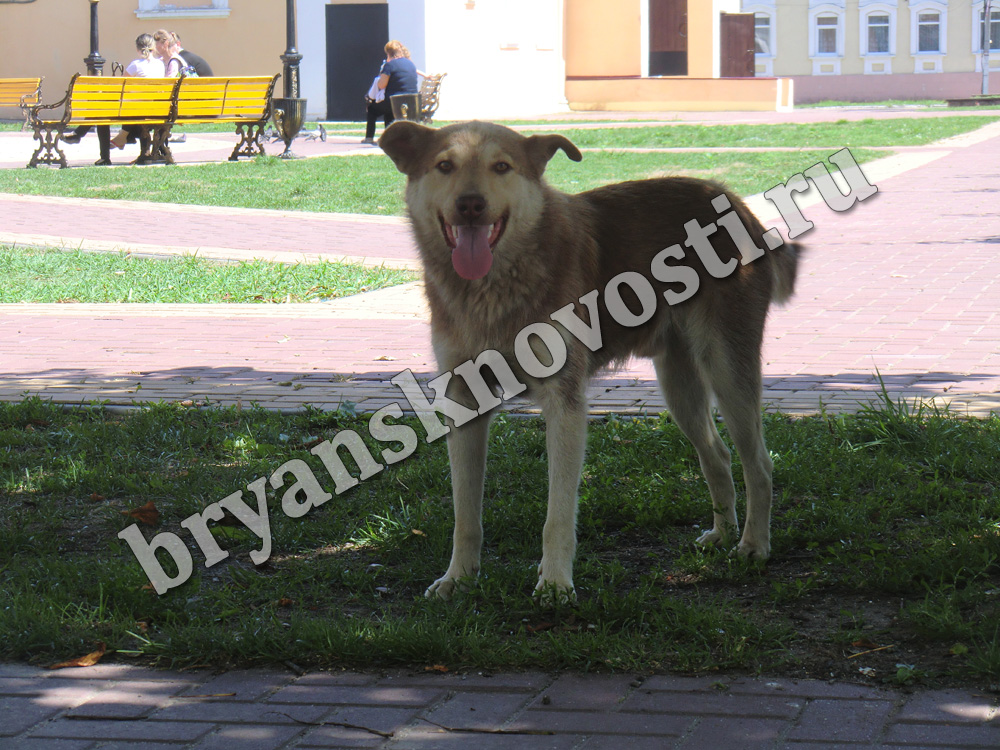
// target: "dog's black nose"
[[470, 206]]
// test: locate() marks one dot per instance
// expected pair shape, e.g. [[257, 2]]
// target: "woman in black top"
[[398, 76]]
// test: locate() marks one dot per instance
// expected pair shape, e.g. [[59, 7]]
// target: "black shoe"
[[70, 138], [102, 163]]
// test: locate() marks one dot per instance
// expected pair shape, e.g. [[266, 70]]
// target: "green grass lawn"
[[884, 103], [371, 184], [32, 275], [886, 532], [867, 133]]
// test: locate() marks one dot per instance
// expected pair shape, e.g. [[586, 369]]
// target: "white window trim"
[[936, 57], [816, 10], [765, 9], [156, 9], [977, 11], [871, 59], [977, 48]]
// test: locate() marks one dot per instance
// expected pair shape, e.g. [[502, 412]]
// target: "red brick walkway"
[[905, 283]]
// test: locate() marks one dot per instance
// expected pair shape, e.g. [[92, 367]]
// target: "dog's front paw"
[[714, 538], [554, 587], [754, 549], [550, 594], [446, 586]]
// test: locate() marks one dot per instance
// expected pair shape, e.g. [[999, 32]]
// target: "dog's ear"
[[405, 142], [541, 148]]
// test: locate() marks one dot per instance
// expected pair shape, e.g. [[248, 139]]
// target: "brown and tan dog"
[[675, 269]]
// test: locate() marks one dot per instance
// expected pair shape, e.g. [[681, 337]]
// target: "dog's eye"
[[501, 167], [444, 167]]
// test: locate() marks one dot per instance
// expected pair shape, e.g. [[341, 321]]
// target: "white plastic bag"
[[375, 94]]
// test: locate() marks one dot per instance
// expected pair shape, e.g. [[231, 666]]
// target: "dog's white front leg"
[[467, 453], [566, 443]]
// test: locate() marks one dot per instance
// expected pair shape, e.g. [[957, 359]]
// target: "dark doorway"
[[736, 45], [668, 51], [355, 37]]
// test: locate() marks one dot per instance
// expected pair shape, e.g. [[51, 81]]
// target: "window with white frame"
[[994, 29], [980, 29], [878, 34], [929, 36], [826, 36], [182, 9], [929, 32], [764, 33]]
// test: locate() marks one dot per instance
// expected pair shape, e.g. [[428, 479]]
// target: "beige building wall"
[[247, 40], [603, 38]]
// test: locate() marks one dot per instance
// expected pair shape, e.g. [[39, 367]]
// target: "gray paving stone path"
[[118, 706]]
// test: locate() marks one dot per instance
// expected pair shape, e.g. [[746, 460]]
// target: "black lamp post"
[[95, 67], [290, 111], [95, 63], [291, 58]]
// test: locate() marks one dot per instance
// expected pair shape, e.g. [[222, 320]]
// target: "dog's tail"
[[785, 267], [784, 258]]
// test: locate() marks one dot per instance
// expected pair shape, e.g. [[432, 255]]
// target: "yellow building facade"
[[503, 58], [871, 50], [51, 38]]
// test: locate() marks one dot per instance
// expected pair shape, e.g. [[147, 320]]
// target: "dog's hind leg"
[[566, 443], [689, 400], [467, 447], [737, 386]]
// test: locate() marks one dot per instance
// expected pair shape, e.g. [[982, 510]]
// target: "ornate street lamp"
[[95, 67], [95, 63], [291, 58], [290, 110]]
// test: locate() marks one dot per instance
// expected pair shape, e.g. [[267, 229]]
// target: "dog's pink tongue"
[[472, 256]]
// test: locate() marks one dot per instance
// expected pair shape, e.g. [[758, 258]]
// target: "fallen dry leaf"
[[147, 514], [864, 643], [84, 661], [437, 668]]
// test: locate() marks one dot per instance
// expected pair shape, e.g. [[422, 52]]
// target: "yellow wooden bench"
[[243, 101], [107, 100], [155, 104], [20, 92]]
